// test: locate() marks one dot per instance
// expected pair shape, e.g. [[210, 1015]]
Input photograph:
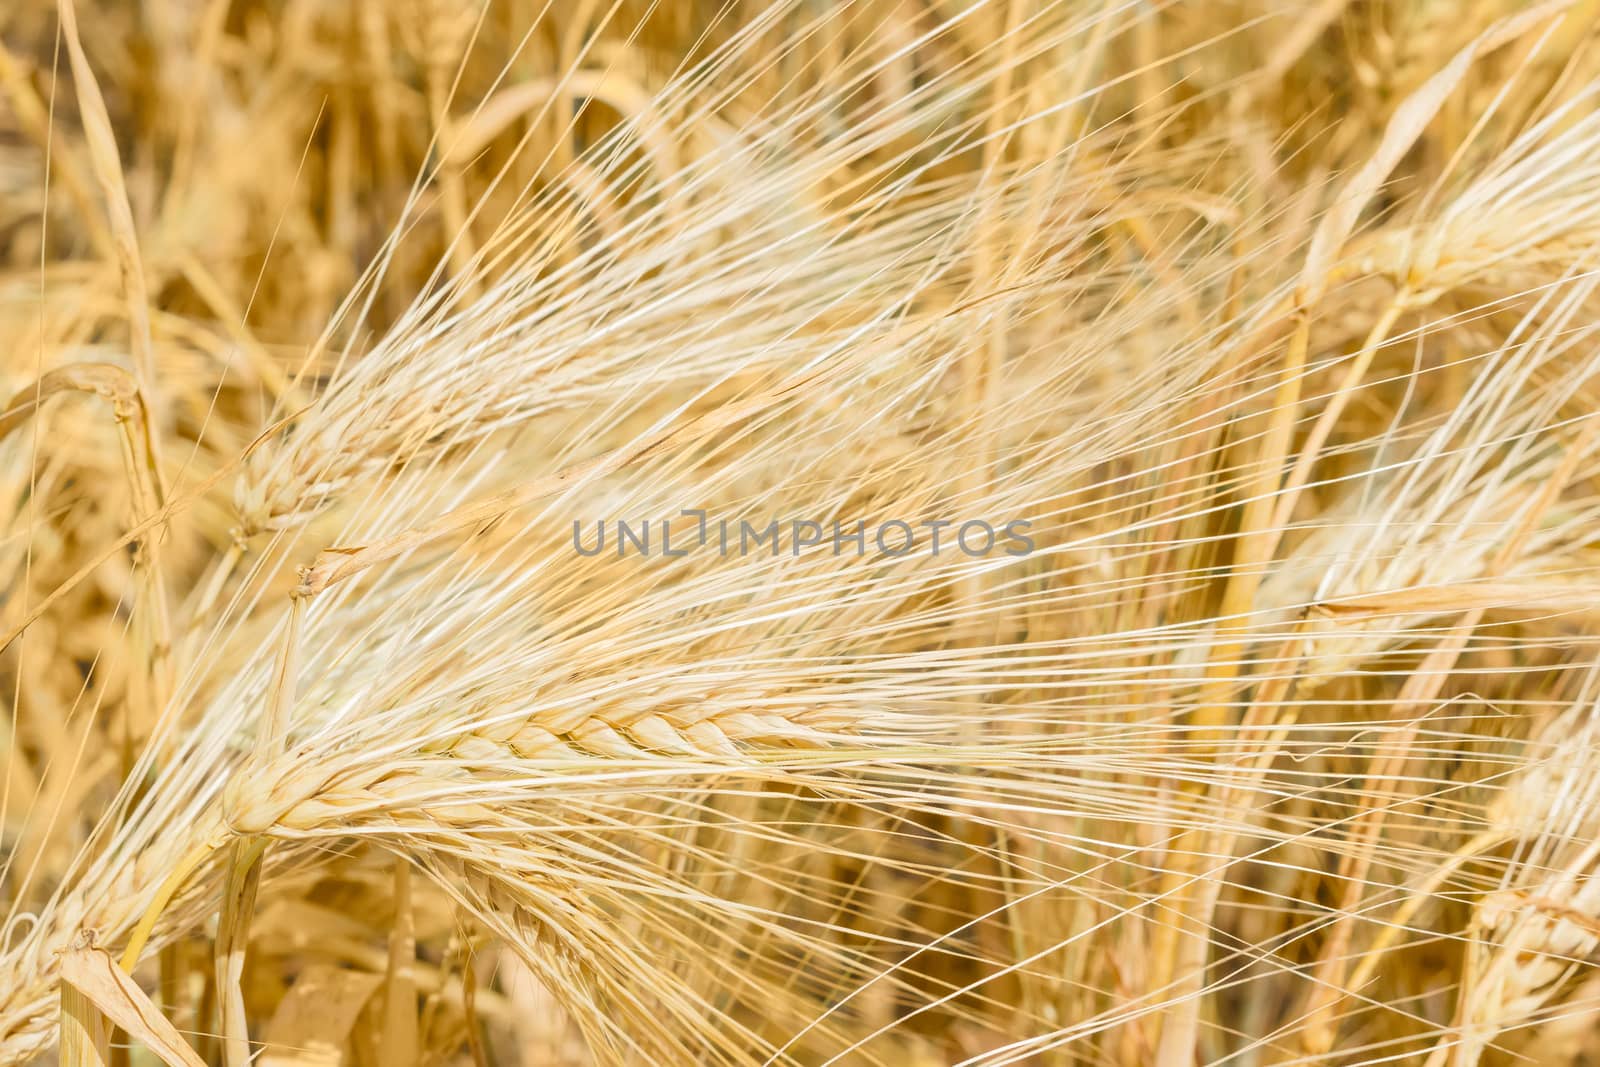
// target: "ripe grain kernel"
[[777, 532]]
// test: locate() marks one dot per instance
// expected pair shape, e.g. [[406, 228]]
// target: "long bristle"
[[491, 493]]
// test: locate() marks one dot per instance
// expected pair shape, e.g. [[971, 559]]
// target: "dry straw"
[[324, 324]]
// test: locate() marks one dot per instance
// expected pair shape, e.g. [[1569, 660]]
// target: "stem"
[[1312, 451], [233, 937], [399, 1046], [164, 894], [244, 867], [1255, 543], [155, 628], [1419, 896]]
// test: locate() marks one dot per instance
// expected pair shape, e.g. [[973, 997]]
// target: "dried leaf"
[[316, 1015], [91, 973]]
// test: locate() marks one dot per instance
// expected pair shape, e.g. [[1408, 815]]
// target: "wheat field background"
[[333, 332]]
